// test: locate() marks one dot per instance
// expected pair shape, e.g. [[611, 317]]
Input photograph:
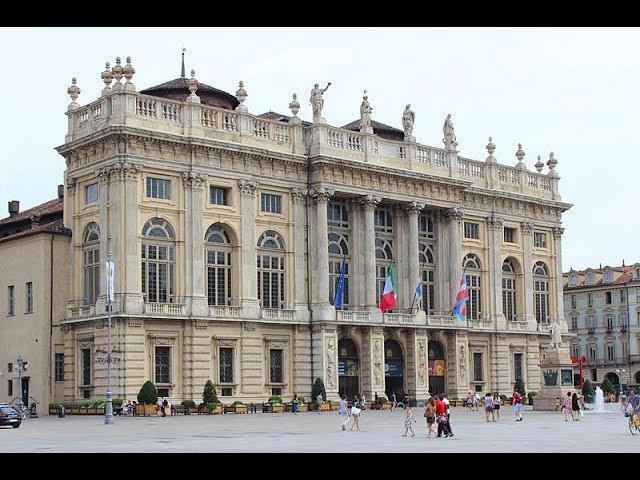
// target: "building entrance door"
[[393, 369], [348, 368], [437, 368], [25, 391]]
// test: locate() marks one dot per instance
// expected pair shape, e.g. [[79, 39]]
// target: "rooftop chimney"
[[14, 207], [60, 191]]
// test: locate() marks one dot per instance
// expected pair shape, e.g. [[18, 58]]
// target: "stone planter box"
[[334, 406], [386, 406], [275, 408], [74, 411], [96, 411], [303, 408], [53, 411], [288, 407], [193, 409], [145, 410], [325, 406]]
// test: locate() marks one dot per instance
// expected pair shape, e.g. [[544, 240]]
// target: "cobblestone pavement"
[[381, 431]]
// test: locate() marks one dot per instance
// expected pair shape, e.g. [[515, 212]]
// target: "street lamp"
[[108, 409], [19, 367]]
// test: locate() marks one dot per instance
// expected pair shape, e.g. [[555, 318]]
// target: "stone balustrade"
[[287, 315], [185, 118], [164, 309], [224, 311], [481, 324], [80, 311], [517, 325]]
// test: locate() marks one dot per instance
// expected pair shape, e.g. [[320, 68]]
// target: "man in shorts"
[[488, 407], [517, 405]]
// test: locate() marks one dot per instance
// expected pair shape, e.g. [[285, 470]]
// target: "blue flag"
[[337, 301]]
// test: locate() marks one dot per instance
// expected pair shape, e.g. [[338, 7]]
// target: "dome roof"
[[178, 89], [380, 129]]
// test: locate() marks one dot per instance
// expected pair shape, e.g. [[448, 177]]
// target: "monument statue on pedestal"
[[365, 114], [408, 119], [556, 335], [317, 102], [449, 139]]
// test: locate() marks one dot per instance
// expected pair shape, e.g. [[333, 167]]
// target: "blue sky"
[[572, 91]]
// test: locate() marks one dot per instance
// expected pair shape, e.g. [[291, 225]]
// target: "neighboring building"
[[602, 306], [229, 229], [34, 279]]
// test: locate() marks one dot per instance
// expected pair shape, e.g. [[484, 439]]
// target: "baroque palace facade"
[[228, 230]]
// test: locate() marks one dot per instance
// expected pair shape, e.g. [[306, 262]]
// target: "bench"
[[179, 409]]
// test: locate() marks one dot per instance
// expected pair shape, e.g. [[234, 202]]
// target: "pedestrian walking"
[[356, 409], [430, 415], [393, 401], [477, 402], [319, 402], [441, 417], [446, 401], [343, 412], [164, 406], [471, 400], [575, 407], [408, 421], [516, 400], [488, 407], [295, 406], [497, 402], [567, 407]]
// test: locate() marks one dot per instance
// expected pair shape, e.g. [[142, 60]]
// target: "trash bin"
[[61, 411]]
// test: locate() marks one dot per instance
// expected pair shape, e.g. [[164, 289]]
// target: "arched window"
[[218, 258], [509, 289], [541, 292], [158, 261], [91, 262], [271, 270], [473, 276], [428, 269], [384, 259], [338, 249]]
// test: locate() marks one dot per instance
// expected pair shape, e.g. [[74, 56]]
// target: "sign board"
[[393, 367], [437, 368], [567, 377]]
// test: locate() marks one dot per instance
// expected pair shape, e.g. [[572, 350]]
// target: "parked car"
[[9, 416]]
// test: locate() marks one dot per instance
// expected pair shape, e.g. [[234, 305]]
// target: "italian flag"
[[388, 298]]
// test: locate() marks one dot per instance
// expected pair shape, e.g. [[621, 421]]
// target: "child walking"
[[408, 421]]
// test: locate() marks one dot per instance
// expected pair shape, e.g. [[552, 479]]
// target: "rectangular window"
[[11, 305], [574, 301], [271, 203], [575, 350], [335, 266], [226, 392], [609, 322], [593, 352], [59, 367], [91, 193], [425, 224], [29, 297], [226, 365], [383, 220], [607, 298], [158, 188], [86, 366], [9, 367], [219, 195], [624, 350], [611, 352], [10, 388], [624, 321], [163, 392], [591, 323], [594, 375], [590, 299], [471, 230], [477, 367], [574, 324], [509, 235], [337, 214], [540, 240], [275, 366], [517, 366], [163, 363]]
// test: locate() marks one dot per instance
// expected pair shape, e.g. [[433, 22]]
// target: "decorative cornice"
[[124, 171], [247, 188]]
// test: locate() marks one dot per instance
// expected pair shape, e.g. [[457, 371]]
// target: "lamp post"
[[19, 366], [108, 409]]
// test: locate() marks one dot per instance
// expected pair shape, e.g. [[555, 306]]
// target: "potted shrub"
[[588, 391], [455, 401], [210, 402], [383, 403], [503, 398], [190, 406], [236, 407], [318, 389], [275, 404], [531, 395], [147, 399], [303, 404], [96, 406], [53, 408]]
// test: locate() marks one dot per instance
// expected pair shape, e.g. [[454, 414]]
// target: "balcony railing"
[[398, 318], [164, 309], [225, 311], [517, 325], [80, 311], [440, 321], [352, 317], [287, 315]]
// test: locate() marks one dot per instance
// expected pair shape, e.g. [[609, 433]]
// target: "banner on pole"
[[111, 266]]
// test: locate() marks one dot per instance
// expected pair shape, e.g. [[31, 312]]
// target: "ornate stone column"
[[194, 242], [248, 278], [495, 271], [527, 269], [413, 209], [300, 253], [417, 361], [369, 203], [454, 217], [557, 234], [133, 301], [325, 358], [356, 249], [321, 265], [103, 186], [400, 243], [441, 277], [372, 361]]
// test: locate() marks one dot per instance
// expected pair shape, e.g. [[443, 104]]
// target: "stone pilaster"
[[527, 269], [417, 378], [103, 187], [372, 361], [369, 203], [70, 361], [455, 256], [559, 300], [301, 360], [194, 243], [325, 358], [413, 267], [135, 356], [356, 249], [249, 274], [457, 363], [495, 271], [133, 301], [300, 253], [322, 308], [441, 276]]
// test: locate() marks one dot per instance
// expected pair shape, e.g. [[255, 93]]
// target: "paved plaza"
[[381, 431]]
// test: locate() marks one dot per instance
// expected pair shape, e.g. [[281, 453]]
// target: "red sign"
[[437, 368]]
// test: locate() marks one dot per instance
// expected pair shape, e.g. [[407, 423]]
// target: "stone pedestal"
[[557, 371]]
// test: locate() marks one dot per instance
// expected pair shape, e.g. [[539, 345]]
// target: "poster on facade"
[[567, 377], [393, 367], [437, 368], [347, 367]]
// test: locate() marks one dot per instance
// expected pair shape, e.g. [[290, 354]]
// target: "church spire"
[[182, 74]]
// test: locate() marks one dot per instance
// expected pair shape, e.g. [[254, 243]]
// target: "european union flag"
[[337, 301]]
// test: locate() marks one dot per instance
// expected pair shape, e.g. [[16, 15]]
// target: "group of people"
[[572, 406], [128, 408], [352, 414], [491, 401]]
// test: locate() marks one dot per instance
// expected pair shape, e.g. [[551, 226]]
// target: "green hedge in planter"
[[383, 400], [188, 403], [209, 393], [148, 394], [97, 402], [318, 388], [301, 400], [237, 403], [275, 400], [117, 402], [531, 395]]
